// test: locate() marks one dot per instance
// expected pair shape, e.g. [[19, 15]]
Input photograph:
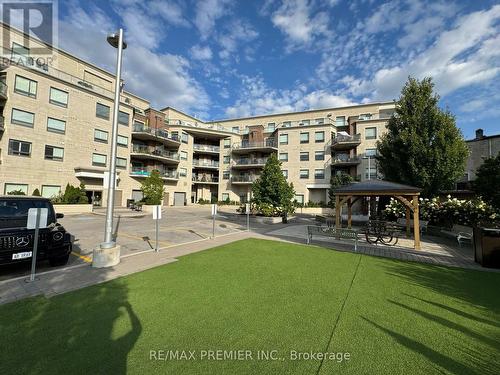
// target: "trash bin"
[[487, 247]]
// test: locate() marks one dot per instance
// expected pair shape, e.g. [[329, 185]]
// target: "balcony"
[[268, 145], [345, 142], [2, 123], [205, 179], [205, 164], [345, 160], [166, 174], [248, 163], [146, 133], [249, 179], [206, 149], [3, 90], [146, 152]]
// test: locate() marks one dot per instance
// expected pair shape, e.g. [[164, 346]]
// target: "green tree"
[[337, 180], [422, 147], [152, 188], [36, 193], [487, 182], [73, 195], [272, 190]]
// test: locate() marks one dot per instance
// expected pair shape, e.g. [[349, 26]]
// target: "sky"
[[217, 59]]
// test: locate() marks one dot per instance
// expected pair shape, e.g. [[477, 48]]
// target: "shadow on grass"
[[88, 331]]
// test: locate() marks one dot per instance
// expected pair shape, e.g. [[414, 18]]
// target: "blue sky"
[[225, 58]]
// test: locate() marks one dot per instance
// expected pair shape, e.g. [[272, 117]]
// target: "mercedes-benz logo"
[[22, 241]]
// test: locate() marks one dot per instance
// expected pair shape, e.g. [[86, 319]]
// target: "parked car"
[[16, 241]]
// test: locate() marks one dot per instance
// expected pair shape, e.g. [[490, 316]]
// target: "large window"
[[100, 136], [54, 153], [287, 124], [99, 160], [22, 117], [226, 159], [184, 137], [20, 54], [304, 156], [236, 129], [283, 156], [225, 175], [319, 155], [16, 187], [304, 173], [319, 174], [58, 97], [57, 126], [25, 86], [50, 191], [320, 121], [371, 133], [319, 137], [123, 118], [304, 137], [19, 148], [184, 155], [271, 126], [340, 121], [121, 163], [283, 139], [305, 122], [122, 141], [227, 143], [182, 172], [299, 198], [102, 111]]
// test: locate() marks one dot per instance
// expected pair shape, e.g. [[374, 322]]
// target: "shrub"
[[16, 192], [203, 201], [153, 189], [72, 195], [36, 193]]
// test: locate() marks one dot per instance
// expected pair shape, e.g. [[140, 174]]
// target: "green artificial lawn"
[[390, 316]]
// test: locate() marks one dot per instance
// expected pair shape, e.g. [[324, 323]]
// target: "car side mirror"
[[59, 216]]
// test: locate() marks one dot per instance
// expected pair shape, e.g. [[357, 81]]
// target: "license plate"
[[26, 254]]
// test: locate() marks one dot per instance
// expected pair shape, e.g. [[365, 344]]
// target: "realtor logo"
[[36, 19]]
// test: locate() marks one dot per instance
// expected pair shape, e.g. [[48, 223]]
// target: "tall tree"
[[487, 182], [272, 188], [152, 188], [423, 146]]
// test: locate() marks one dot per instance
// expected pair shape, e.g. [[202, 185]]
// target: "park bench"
[[422, 223], [461, 233], [339, 233]]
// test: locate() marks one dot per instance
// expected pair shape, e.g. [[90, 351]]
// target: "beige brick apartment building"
[[55, 128]]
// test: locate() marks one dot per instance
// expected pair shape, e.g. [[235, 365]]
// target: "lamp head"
[[114, 39]]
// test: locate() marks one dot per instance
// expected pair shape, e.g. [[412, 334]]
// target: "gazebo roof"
[[377, 187]]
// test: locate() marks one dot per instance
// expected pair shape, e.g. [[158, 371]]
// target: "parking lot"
[[137, 234]]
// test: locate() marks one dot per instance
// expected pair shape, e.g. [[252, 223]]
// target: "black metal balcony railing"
[[3, 89], [204, 163], [340, 138], [205, 178], [255, 161], [210, 148], [141, 149], [145, 172], [269, 142], [244, 178], [139, 128]]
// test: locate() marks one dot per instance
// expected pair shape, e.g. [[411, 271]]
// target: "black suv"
[[16, 241]]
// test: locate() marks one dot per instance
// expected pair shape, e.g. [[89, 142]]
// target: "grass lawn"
[[390, 316]]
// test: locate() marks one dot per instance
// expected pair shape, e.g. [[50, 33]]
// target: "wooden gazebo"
[[408, 195]]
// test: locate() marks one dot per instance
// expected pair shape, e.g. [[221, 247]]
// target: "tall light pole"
[[108, 253]]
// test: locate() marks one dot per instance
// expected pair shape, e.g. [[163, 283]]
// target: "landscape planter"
[[73, 209]]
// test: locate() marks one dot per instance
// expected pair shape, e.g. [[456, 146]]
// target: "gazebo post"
[[416, 223], [349, 213], [408, 221]]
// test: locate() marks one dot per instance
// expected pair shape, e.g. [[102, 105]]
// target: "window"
[[121, 163], [122, 141], [304, 173], [236, 129], [283, 139], [371, 133], [371, 173], [287, 124], [19, 148], [365, 116], [50, 191], [320, 121], [319, 155], [25, 86], [123, 118], [371, 152], [184, 155], [20, 54], [271, 126], [16, 187], [22, 117], [319, 137], [57, 126], [285, 173], [283, 156], [54, 153], [299, 198], [227, 143], [100, 136], [225, 196], [319, 174], [58, 97], [102, 111], [99, 160], [340, 121], [184, 137], [225, 175], [304, 156], [226, 159], [182, 172], [304, 137], [305, 122]]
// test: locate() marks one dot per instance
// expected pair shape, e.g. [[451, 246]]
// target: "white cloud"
[[200, 53], [235, 32], [207, 14], [170, 11]]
